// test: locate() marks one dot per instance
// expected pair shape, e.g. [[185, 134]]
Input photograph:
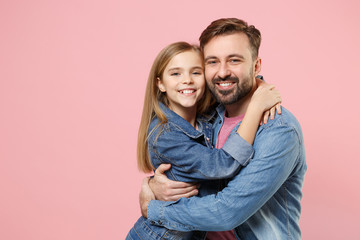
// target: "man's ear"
[[257, 66], [160, 85]]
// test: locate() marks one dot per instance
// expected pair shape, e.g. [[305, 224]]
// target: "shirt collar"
[[181, 123]]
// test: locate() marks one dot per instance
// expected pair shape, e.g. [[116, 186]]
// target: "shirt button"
[[219, 121], [152, 222], [159, 222]]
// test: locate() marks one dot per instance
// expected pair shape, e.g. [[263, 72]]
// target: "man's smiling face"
[[229, 67]]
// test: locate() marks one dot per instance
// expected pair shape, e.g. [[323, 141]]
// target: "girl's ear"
[[160, 85]]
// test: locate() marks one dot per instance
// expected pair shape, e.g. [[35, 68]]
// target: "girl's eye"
[[197, 73], [174, 74]]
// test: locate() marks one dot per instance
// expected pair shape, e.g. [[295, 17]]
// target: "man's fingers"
[[175, 194], [180, 191], [162, 168], [185, 195], [183, 185], [192, 193]]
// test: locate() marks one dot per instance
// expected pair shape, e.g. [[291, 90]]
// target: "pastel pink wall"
[[72, 79]]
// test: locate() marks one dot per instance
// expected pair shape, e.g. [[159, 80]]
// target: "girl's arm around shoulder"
[[192, 161]]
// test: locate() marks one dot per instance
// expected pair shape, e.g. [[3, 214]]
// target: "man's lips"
[[225, 85]]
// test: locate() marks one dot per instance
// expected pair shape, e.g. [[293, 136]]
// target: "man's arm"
[[146, 195], [273, 162], [167, 190], [161, 188]]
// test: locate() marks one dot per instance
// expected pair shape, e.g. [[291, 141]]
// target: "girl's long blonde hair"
[[153, 96]]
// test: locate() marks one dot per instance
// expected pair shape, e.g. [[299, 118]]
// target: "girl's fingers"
[[272, 113], [266, 116], [278, 108]]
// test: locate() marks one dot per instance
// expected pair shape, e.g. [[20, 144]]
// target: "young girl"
[[176, 128]]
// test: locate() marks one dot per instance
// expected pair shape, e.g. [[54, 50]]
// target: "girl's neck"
[[189, 114]]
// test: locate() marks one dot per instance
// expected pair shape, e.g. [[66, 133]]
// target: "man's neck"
[[239, 108]]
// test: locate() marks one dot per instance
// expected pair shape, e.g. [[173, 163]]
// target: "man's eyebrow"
[[237, 55], [230, 56], [209, 57]]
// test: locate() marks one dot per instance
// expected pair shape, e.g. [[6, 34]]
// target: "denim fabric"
[[193, 159], [262, 201], [143, 230], [191, 153]]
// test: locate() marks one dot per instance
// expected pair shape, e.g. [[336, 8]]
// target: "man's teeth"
[[187, 91], [225, 84]]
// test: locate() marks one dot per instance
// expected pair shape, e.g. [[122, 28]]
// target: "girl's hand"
[[266, 99], [271, 112]]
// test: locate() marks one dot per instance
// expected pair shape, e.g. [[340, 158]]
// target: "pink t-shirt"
[[227, 127]]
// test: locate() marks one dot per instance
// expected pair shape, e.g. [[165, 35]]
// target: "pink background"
[[72, 79]]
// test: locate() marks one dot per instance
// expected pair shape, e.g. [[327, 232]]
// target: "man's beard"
[[228, 97]]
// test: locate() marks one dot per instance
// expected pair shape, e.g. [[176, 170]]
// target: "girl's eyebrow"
[[178, 68], [197, 67], [174, 69]]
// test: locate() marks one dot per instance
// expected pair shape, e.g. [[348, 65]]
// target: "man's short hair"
[[226, 26]]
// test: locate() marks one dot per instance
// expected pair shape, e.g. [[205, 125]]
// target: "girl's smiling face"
[[183, 82]]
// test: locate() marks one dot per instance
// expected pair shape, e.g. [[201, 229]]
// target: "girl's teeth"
[[187, 91]]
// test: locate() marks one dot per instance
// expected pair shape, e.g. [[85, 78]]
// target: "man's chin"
[[228, 102], [226, 99]]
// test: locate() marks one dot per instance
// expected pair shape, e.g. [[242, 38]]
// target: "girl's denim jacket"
[[193, 158]]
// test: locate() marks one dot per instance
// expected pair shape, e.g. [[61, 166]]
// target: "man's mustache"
[[231, 79]]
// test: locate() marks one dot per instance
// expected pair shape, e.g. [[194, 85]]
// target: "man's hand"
[[168, 190], [146, 195]]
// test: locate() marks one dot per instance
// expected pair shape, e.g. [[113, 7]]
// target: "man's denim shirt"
[[193, 159], [262, 201]]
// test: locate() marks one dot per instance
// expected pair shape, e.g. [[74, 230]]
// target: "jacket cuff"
[[155, 212], [238, 148]]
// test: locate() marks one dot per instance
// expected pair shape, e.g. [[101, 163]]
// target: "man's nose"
[[224, 71]]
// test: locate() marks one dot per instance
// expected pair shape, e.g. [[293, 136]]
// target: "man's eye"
[[211, 62], [235, 60]]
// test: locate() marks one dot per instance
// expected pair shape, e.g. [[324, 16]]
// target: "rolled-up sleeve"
[[238, 148]]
